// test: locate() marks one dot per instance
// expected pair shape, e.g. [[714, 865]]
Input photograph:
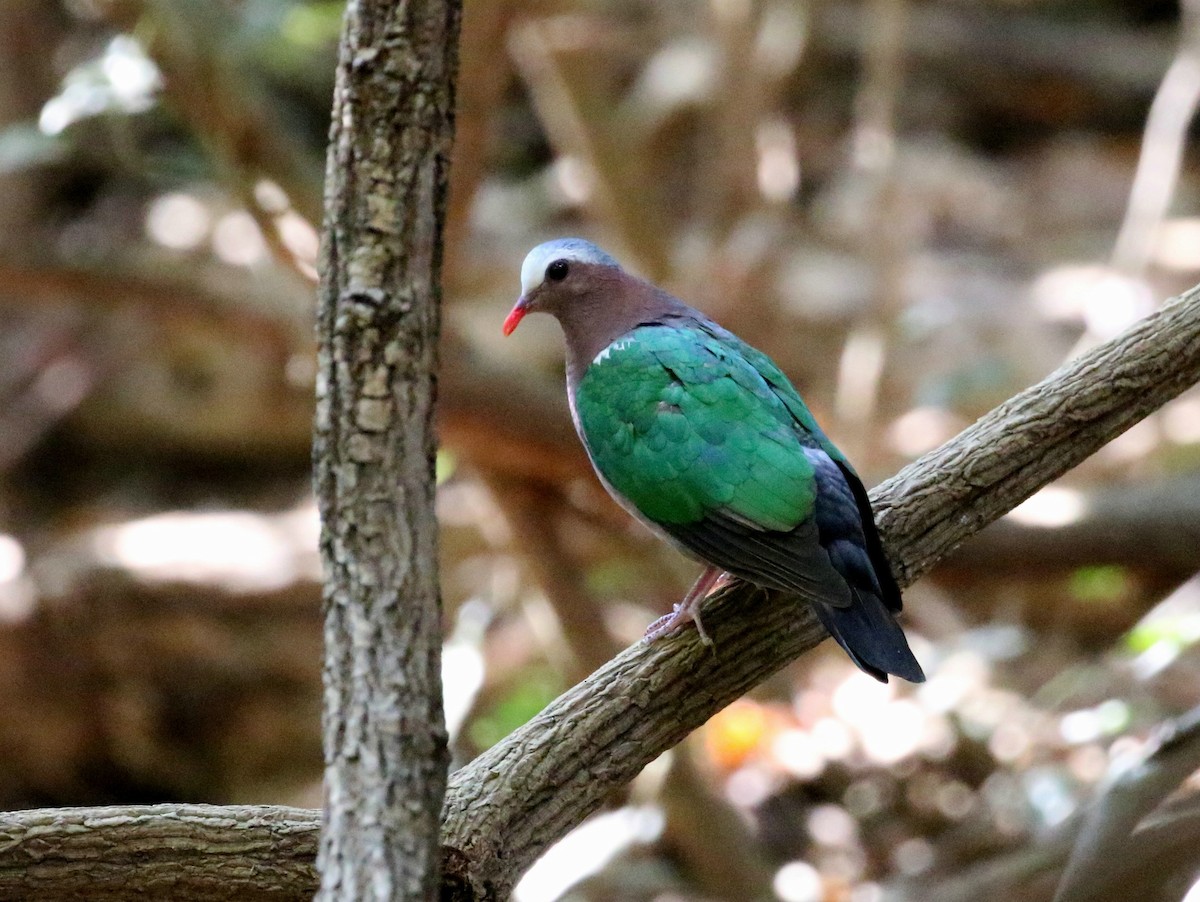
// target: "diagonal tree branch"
[[504, 808]]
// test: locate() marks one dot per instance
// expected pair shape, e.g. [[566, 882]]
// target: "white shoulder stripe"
[[619, 345]]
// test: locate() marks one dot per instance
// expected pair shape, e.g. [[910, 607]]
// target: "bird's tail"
[[871, 637]]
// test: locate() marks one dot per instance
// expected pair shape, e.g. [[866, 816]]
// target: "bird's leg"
[[688, 609]]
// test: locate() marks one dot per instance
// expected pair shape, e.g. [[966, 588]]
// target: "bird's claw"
[[676, 620]]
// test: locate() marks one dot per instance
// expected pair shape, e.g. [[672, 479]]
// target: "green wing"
[[784, 390], [684, 427]]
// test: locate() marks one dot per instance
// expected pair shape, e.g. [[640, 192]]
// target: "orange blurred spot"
[[738, 731]]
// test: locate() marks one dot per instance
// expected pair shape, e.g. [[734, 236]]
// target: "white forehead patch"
[[533, 270]]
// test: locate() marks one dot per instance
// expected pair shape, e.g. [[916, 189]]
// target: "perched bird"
[[702, 438]]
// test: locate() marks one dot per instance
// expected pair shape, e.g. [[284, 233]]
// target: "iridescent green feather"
[[684, 423], [765, 367]]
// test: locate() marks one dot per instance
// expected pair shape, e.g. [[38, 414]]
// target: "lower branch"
[[192, 852]]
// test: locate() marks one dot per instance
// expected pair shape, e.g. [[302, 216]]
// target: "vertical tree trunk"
[[385, 743]]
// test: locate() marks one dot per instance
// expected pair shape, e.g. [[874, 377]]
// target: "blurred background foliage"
[[918, 207]]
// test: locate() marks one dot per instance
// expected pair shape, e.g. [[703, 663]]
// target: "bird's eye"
[[557, 271]]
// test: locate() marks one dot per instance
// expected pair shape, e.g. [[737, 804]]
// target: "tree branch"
[[509, 804], [378, 319], [193, 852]]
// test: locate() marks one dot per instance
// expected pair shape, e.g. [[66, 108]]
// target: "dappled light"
[[1178, 244], [178, 221], [122, 80], [237, 240], [1051, 507], [586, 850], [238, 550], [16, 590]]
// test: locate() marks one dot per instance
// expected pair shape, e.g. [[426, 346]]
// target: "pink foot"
[[687, 610]]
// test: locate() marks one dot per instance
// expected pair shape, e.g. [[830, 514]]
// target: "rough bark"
[[384, 737], [510, 803], [191, 852]]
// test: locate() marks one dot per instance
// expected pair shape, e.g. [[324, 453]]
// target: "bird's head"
[[556, 275]]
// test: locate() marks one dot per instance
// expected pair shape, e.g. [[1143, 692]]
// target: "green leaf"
[[1100, 583], [444, 466], [537, 688]]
